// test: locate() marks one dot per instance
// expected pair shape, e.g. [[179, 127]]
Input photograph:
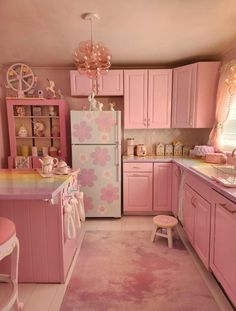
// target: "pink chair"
[[9, 245]]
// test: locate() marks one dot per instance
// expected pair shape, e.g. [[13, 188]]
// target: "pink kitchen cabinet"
[[110, 84], [162, 187], [175, 188], [196, 216], [137, 181], [223, 244], [194, 95], [147, 98], [51, 113]]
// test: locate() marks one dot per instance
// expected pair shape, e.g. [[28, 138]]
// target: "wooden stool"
[[9, 245], [164, 222]]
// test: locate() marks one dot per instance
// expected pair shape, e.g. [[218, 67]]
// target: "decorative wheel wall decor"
[[20, 78]]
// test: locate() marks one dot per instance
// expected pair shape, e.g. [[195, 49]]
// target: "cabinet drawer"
[[136, 167]]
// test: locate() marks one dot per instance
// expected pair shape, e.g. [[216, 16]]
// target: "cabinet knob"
[[193, 200], [224, 205]]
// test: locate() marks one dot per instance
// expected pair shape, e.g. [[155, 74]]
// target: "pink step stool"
[[9, 245], [164, 222]]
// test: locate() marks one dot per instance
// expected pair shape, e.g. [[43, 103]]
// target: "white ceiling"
[[137, 32]]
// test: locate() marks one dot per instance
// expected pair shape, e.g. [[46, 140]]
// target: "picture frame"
[[37, 111], [22, 162]]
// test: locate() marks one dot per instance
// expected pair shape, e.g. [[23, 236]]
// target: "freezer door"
[[95, 127], [99, 178]]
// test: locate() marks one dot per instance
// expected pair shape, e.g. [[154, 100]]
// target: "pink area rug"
[[124, 271]]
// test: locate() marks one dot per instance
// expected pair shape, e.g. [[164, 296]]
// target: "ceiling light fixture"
[[91, 58]]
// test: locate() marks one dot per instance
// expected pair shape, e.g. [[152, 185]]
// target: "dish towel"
[[69, 224], [80, 198], [74, 204]]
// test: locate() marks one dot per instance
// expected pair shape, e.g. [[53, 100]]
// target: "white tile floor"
[[48, 297]]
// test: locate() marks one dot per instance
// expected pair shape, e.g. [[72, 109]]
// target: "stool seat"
[[7, 230], [165, 221]]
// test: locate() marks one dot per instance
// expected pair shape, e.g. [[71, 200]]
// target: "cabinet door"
[[135, 99], [138, 191], [184, 82], [189, 201], [80, 85], [223, 244], [162, 186], [159, 98], [175, 188], [202, 228], [111, 84]]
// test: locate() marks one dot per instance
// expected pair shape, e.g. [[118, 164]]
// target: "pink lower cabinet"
[[196, 216], [162, 187], [45, 253], [176, 173], [223, 244], [137, 180]]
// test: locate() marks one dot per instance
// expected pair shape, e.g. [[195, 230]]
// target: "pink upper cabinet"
[[147, 98], [159, 98], [135, 99], [110, 84], [194, 95]]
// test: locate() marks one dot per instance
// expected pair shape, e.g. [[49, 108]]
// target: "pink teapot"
[[48, 163]]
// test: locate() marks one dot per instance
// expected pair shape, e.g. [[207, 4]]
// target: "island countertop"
[[28, 184]]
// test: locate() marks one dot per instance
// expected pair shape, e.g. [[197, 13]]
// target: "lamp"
[[91, 58], [231, 80]]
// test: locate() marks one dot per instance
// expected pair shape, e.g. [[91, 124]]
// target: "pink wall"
[[229, 55]]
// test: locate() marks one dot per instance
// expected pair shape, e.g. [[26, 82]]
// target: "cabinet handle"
[[193, 200], [136, 175], [149, 120], [145, 121], [224, 205], [136, 167]]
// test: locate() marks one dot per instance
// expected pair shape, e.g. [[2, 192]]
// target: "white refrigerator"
[[96, 152]]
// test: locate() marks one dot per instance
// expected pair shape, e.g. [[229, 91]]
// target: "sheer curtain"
[[222, 103]]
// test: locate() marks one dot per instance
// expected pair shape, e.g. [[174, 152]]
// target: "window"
[[228, 135]]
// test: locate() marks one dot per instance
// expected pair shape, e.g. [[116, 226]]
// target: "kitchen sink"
[[224, 174]]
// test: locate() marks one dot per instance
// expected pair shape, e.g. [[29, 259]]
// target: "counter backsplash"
[[151, 137]]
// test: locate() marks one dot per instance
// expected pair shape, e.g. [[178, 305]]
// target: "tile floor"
[[48, 297]]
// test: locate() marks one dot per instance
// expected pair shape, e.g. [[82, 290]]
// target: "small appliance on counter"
[[130, 147], [141, 150]]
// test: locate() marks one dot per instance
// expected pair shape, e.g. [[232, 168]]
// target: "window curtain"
[[222, 103]]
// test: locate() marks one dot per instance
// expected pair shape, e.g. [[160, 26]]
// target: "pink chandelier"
[[91, 58]]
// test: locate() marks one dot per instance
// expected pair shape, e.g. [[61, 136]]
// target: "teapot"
[[48, 163]]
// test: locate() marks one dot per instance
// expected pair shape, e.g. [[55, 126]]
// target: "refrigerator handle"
[[118, 127], [118, 161]]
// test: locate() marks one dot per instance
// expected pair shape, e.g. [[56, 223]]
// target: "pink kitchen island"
[[35, 205]]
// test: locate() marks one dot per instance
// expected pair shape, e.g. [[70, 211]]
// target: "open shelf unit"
[[35, 126]]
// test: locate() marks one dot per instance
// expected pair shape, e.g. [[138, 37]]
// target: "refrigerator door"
[[99, 178], [95, 127]]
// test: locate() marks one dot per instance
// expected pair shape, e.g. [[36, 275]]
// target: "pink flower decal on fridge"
[[87, 177], [82, 131], [100, 156], [105, 122], [88, 203], [109, 193]]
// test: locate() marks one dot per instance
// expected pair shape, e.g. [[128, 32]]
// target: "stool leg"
[[14, 274], [169, 235], [154, 233]]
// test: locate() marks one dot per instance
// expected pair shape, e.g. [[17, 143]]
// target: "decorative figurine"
[[92, 102], [51, 89], [112, 105], [22, 132], [39, 128], [100, 105], [51, 111], [59, 92], [20, 110]]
